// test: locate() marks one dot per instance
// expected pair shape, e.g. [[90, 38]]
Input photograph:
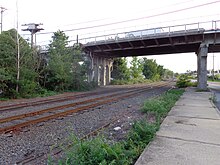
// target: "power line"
[[135, 19], [96, 20], [174, 20]]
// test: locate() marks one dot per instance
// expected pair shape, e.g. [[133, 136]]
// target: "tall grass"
[[100, 151], [161, 106]]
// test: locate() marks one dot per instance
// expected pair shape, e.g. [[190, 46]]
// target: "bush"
[[99, 151], [131, 81], [183, 81]]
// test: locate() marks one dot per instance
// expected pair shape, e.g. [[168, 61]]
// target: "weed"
[[99, 150], [161, 106]]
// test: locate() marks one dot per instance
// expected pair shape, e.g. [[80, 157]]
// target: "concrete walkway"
[[189, 135]]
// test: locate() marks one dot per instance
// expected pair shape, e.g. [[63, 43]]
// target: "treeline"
[[25, 72], [140, 70]]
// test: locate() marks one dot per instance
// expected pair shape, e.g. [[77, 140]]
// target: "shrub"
[[183, 81]]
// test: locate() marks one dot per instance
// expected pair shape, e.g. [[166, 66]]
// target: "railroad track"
[[24, 119], [66, 97], [57, 150]]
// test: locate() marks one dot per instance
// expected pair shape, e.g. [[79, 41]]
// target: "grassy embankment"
[[100, 151]]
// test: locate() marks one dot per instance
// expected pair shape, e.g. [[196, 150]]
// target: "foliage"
[[8, 65], [168, 74], [67, 67], [100, 151], [151, 70], [132, 81], [136, 68], [161, 106], [139, 69], [40, 73], [59, 66], [120, 69], [184, 81]]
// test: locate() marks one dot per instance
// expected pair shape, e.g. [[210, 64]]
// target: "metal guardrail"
[[166, 30]]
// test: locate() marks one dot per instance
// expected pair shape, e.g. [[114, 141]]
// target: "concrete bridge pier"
[[100, 70], [202, 66]]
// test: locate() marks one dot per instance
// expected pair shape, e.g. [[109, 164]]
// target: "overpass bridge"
[[201, 38]]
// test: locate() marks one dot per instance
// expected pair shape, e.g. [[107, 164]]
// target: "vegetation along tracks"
[[25, 120], [42, 157]]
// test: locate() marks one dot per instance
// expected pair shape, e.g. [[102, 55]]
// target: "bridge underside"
[[153, 45], [198, 41]]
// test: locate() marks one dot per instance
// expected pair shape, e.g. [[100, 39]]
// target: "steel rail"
[[48, 101], [52, 100], [68, 112], [21, 116]]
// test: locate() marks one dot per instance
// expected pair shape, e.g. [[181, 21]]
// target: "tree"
[[80, 66], [120, 69], [8, 64], [136, 68], [67, 66], [160, 70], [59, 65], [168, 74], [150, 69]]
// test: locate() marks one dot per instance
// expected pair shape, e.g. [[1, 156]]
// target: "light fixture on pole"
[[33, 28]]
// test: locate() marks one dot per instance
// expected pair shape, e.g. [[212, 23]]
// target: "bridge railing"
[[151, 32]]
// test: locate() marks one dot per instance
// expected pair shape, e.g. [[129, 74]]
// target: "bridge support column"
[[202, 67], [91, 70], [100, 70]]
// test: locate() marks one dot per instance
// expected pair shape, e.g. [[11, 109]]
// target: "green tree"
[[80, 66], [120, 69], [168, 74], [160, 70], [150, 69], [136, 68], [8, 65], [59, 66]]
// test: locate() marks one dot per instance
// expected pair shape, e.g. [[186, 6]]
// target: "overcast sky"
[[137, 14]]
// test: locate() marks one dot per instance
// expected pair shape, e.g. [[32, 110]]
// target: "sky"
[[105, 17]]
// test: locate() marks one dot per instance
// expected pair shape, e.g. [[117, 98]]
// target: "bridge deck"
[[155, 41], [162, 43]]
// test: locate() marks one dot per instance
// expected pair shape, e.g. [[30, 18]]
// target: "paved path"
[[189, 135]]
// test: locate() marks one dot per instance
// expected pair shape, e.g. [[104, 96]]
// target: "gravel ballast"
[[39, 139]]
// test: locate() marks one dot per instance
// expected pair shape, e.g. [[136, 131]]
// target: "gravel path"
[[41, 138]]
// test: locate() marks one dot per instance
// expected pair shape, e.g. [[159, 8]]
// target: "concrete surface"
[[215, 88], [189, 135]]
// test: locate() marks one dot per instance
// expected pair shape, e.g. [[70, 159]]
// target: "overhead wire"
[[96, 20], [135, 19]]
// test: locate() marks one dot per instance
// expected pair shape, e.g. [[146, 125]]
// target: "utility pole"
[[2, 11], [33, 28], [213, 73], [18, 52]]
